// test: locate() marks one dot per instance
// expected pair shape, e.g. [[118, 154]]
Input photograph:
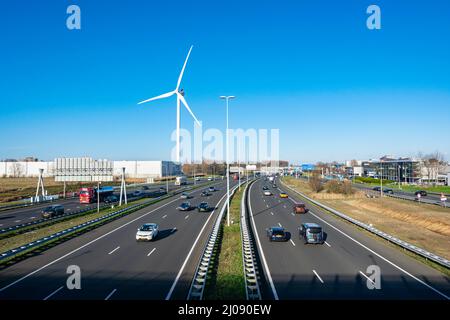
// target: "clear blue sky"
[[335, 89]]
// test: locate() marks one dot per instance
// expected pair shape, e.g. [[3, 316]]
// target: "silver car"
[[148, 232]]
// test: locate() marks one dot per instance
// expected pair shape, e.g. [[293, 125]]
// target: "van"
[[311, 233], [52, 211]]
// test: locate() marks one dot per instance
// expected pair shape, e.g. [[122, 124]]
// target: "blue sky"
[[312, 69]]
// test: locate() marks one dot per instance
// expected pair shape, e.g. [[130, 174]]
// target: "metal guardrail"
[[424, 253], [27, 202], [199, 281], [248, 255], [47, 239]]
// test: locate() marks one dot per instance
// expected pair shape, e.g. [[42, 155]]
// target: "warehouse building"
[[133, 168]]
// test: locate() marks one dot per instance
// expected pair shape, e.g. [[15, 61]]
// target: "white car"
[[209, 178], [148, 232], [267, 193]]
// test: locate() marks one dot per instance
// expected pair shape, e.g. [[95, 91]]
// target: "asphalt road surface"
[[113, 265], [337, 269], [13, 217]]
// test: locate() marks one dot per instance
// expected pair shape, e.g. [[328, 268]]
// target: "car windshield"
[[84, 193], [146, 228], [278, 232], [314, 230]]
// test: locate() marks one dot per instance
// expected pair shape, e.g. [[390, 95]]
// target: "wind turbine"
[[180, 97]]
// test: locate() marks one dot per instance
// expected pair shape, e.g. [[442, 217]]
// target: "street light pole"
[[381, 180], [98, 196], [227, 98]]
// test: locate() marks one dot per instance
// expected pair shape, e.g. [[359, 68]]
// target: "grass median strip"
[[227, 280]]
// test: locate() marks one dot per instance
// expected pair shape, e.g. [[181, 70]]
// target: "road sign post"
[[444, 200]]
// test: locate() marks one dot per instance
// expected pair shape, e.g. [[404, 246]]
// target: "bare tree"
[[16, 170], [434, 163]]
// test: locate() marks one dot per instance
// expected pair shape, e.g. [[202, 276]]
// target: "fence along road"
[[338, 268]]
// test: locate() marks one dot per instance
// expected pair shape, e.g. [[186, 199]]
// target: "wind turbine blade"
[[182, 70], [187, 107], [162, 96]]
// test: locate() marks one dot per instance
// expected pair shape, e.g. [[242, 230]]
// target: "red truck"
[[89, 195]]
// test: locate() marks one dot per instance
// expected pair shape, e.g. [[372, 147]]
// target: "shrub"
[[315, 183], [334, 186]]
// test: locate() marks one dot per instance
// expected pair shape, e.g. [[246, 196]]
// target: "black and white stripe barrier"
[[199, 281], [248, 255]]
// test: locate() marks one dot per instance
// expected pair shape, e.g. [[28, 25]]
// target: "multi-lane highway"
[[429, 198], [113, 265], [338, 268], [18, 216]]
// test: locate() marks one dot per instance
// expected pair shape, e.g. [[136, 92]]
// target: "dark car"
[[203, 207], [376, 189], [274, 185], [421, 192], [276, 234], [111, 199], [52, 211], [265, 188], [311, 233], [145, 188], [211, 189], [390, 191], [185, 206], [205, 194]]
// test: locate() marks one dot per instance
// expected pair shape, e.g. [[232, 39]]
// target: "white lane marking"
[[109, 295], [32, 217], [317, 275], [362, 273], [269, 276], [292, 242], [186, 217], [53, 293], [280, 225], [292, 214], [17, 221], [68, 209], [151, 252], [383, 258], [327, 244], [164, 216], [169, 294], [85, 245], [1, 225], [271, 212], [284, 207], [114, 250], [267, 205]]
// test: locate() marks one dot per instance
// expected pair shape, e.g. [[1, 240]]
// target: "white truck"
[[180, 180]]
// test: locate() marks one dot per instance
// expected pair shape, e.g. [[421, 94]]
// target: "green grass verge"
[[228, 280]]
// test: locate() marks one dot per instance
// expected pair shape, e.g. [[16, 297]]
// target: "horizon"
[[335, 90]]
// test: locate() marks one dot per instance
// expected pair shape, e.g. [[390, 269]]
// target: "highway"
[[113, 265], [338, 268], [18, 216], [429, 198]]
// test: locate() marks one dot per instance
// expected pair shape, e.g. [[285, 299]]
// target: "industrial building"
[[133, 168]]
